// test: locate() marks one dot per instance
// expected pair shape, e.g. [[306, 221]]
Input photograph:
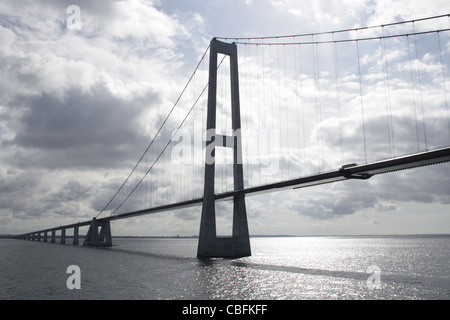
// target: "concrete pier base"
[[63, 236], [75, 236], [96, 237], [212, 246], [224, 248]]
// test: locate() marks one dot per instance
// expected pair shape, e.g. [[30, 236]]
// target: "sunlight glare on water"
[[411, 267]]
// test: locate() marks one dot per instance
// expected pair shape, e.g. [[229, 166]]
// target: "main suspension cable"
[[157, 133], [236, 39]]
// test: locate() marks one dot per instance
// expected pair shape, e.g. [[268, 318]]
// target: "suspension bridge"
[[263, 114]]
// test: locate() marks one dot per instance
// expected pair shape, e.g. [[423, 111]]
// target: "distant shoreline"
[[300, 236], [428, 235]]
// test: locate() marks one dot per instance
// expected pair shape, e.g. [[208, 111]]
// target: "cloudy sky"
[[79, 104]]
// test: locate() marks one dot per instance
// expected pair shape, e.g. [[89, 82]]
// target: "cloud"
[[82, 101], [78, 107], [336, 203], [382, 193], [86, 129], [18, 198], [83, 98], [71, 191], [375, 222]]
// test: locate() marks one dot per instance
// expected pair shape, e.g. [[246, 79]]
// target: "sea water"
[[281, 268]]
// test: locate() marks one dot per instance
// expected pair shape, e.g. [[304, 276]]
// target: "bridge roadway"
[[350, 171]]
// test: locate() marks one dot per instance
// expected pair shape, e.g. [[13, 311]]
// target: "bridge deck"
[[364, 171], [351, 171]]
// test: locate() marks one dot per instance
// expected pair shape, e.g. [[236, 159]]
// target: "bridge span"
[[363, 94], [100, 231]]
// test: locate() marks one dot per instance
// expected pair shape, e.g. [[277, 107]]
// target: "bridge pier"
[[53, 238], [75, 236], [209, 245], [63, 236], [96, 237]]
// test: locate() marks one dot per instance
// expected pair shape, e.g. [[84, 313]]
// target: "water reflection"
[[297, 268], [316, 272]]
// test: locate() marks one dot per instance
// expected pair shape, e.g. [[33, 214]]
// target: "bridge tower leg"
[[96, 237], [63, 236], [238, 245], [75, 236]]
